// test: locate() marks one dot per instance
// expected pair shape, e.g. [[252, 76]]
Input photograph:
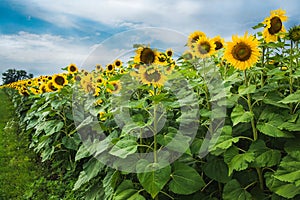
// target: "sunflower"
[[294, 33], [219, 42], [194, 37], [146, 55], [188, 55], [59, 80], [100, 80], [273, 25], [110, 68], [99, 68], [72, 68], [152, 75], [118, 63], [90, 87], [169, 52], [114, 87], [204, 47], [50, 86], [162, 59], [242, 52]]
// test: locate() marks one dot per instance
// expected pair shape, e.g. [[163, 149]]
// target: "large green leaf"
[[216, 169], [90, 170], [240, 162], [224, 141], [124, 147], [268, 128], [246, 90], [155, 177], [127, 191], [233, 190], [239, 115], [292, 98], [284, 189], [185, 179], [264, 156]]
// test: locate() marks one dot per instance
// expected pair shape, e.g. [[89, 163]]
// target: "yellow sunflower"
[[219, 42], [110, 68], [204, 47], [162, 59], [59, 80], [99, 68], [274, 25], [118, 63], [50, 86], [194, 37], [188, 55], [152, 75], [72, 68], [114, 87], [146, 55], [242, 52], [169, 52]]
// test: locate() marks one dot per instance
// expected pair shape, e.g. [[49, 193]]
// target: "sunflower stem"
[[290, 74], [263, 66], [155, 130], [254, 131]]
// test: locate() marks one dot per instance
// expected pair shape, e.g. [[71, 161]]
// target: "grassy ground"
[[17, 166]]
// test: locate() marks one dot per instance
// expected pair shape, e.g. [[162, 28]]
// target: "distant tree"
[[12, 75]]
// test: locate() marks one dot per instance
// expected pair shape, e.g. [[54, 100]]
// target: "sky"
[[44, 36]]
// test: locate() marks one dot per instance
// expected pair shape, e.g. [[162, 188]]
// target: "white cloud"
[[44, 54]]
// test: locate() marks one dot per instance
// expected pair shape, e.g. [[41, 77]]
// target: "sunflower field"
[[221, 121]]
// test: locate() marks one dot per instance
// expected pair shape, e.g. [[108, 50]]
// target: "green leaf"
[[246, 90], [127, 191], [53, 126], [270, 129], [90, 170], [82, 152], [292, 98], [290, 126], [239, 115], [287, 190], [264, 156], [185, 179], [224, 141], [289, 170], [216, 169], [155, 177], [71, 142], [259, 25], [175, 141], [124, 147], [233, 190], [240, 162]]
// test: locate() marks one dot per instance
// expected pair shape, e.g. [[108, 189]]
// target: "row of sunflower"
[[250, 111]]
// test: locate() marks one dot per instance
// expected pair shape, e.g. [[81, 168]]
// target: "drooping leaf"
[[239, 115], [154, 178], [284, 189], [216, 169], [90, 170], [185, 179], [292, 98], [268, 128], [233, 190], [246, 90], [124, 147], [240, 162]]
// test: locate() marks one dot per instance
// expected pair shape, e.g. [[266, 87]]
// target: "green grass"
[[18, 169]]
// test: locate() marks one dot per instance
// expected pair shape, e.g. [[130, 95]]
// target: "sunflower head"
[[59, 80], [294, 33], [146, 56], [114, 87], [188, 55], [242, 52], [118, 63], [219, 42], [110, 68], [99, 68], [152, 75], [204, 47], [169, 52], [72, 68], [194, 37], [274, 25]]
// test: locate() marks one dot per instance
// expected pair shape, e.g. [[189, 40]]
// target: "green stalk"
[[254, 131], [155, 131]]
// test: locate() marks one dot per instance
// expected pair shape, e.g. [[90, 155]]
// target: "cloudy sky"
[[43, 36]]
